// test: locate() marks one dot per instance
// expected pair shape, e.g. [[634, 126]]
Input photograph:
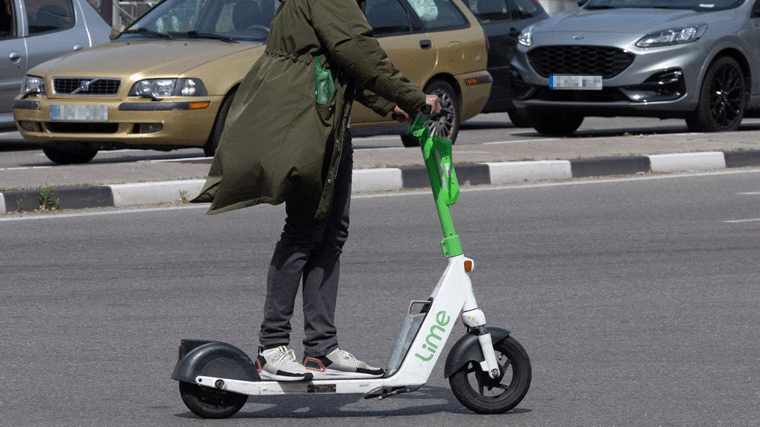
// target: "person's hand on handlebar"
[[431, 103], [435, 106]]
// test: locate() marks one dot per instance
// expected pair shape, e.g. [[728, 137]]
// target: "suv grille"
[[580, 60], [85, 86]]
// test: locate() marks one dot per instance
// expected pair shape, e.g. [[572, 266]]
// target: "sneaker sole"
[[331, 374], [274, 377]]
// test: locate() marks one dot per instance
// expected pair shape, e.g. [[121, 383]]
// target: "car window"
[[489, 10], [523, 9], [182, 16], [45, 16], [7, 18], [387, 17], [438, 14], [237, 19]]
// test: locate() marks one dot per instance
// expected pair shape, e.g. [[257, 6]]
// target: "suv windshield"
[[696, 5], [226, 20]]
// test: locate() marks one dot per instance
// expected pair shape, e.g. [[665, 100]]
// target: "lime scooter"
[[488, 370]]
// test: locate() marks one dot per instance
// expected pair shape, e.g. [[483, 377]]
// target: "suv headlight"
[[160, 88], [526, 37], [32, 85], [672, 36]]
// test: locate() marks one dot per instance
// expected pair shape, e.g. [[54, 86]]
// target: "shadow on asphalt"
[[288, 407]]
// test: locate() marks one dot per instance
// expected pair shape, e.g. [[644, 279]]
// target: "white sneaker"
[[340, 363], [280, 364]]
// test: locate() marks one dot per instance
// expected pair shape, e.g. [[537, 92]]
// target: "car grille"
[[580, 60], [85, 86]]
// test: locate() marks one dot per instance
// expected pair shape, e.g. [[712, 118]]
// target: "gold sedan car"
[[168, 80]]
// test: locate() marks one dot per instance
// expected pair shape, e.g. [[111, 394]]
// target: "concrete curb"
[[388, 179]]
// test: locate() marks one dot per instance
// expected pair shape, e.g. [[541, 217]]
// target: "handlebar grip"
[[426, 109]]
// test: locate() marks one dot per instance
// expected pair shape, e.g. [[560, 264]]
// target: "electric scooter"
[[488, 370]]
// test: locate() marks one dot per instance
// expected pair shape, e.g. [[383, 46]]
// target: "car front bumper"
[[133, 123], [660, 82]]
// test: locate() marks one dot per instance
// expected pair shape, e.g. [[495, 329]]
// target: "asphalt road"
[[636, 299]]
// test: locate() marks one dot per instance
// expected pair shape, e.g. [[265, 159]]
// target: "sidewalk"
[[531, 159]]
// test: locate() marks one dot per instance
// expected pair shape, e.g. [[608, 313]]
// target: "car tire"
[[722, 98], [445, 125], [69, 155], [221, 117], [520, 118], [556, 124]]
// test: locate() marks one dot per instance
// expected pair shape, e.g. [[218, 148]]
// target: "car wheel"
[[221, 117], [69, 155], [520, 118], [556, 124], [722, 98], [445, 125]]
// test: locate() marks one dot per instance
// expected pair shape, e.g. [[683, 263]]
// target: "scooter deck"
[[369, 387], [332, 375]]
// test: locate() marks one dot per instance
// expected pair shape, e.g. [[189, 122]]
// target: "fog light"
[[26, 125], [151, 127]]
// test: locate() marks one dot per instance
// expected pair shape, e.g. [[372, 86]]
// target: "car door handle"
[[513, 32], [14, 56], [78, 46], [426, 44]]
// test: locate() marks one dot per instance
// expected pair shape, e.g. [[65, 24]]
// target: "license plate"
[[79, 112], [564, 82]]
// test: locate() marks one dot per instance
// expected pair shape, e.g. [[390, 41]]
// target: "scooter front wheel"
[[207, 402], [480, 393]]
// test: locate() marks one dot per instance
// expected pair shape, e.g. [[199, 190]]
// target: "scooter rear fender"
[[213, 359], [467, 349]]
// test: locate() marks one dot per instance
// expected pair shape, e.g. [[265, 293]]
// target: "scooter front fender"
[[213, 359], [467, 349]]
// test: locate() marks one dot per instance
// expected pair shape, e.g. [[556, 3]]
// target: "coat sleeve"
[[377, 103], [342, 27]]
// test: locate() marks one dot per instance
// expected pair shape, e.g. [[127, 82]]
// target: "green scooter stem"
[[436, 151]]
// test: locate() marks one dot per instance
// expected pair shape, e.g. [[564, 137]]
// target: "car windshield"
[[225, 20], [696, 5]]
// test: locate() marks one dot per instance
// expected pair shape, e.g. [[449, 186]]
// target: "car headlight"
[[526, 37], [672, 36], [160, 88], [32, 85]]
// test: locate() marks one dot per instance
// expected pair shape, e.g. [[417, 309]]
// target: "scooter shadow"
[[305, 406]]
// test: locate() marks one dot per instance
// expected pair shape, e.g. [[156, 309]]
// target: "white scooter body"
[[451, 296]]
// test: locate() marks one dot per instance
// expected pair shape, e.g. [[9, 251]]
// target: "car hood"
[[632, 21], [142, 58]]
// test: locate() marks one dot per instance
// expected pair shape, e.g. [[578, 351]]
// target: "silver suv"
[[688, 59]]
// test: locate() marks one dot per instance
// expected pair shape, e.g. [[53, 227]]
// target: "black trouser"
[[309, 249]]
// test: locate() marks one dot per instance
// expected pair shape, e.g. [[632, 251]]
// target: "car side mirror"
[[116, 31]]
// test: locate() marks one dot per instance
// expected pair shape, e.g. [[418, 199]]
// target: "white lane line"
[[24, 168], [739, 221]]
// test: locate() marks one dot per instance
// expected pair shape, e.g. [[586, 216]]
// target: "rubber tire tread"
[[518, 388], [221, 117], [210, 403], [701, 119]]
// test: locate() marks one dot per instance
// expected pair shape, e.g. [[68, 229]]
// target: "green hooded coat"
[[277, 139]]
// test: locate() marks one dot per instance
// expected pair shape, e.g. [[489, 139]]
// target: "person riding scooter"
[[287, 139]]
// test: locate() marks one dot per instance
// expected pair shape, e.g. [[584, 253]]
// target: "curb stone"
[[388, 179]]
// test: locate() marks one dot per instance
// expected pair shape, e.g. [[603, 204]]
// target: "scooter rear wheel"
[[207, 402], [478, 392]]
